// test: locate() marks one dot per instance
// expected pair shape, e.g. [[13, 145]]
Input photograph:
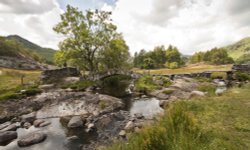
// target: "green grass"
[[211, 123], [196, 68], [10, 83], [80, 85]]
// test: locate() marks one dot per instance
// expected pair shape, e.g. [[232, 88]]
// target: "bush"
[[145, 84], [242, 76], [219, 75]]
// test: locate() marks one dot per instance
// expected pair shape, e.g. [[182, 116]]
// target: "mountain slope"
[[239, 49], [13, 55], [45, 53]]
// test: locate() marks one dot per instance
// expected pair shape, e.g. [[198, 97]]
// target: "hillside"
[[45, 53], [240, 51], [14, 55]]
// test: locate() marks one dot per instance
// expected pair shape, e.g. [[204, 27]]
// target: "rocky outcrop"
[[7, 136], [20, 63], [31, 139]]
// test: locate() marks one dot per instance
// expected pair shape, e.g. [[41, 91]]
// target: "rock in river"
[[75, 122], [29, 117], [46, 123], [31, 139], [11, 127], [36, 123], [7, 136]]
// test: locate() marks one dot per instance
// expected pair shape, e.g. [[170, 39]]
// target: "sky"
[[190, 25]]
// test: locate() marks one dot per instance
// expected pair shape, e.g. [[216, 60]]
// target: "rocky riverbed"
[[64, 119]]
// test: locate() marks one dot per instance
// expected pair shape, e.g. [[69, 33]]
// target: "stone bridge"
[[103, 75]]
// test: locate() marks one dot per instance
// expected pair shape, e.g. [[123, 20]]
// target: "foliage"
[[80, 85], [219, 75], [116, 55], [44, 54], [90, 37], [145, 84], [214, 56], [60, 58], [242, 76], [158, 58], [207, 123], [197, 57], [244, 59]]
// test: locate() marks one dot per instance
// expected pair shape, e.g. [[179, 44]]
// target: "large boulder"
[[7, 136], [197, 94], [75, 122], [4, 125], [184, 84], [31, 139], [11, 127]]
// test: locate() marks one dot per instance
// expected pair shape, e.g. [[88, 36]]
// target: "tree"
[[87, 35], [139, 59], [158, 55], [116, 55], [173, 58], [197, 57], [148, 63]]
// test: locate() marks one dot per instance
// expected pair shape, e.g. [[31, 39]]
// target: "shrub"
[[219, 75], [145, 84], [242, 76]]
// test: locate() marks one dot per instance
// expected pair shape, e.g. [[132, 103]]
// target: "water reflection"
[[147, 107]]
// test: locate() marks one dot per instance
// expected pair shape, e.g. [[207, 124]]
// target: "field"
[[211, 123], [188, 69], [10, 81]]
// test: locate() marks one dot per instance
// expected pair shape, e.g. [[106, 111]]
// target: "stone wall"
[[49, 76], [242, 68]]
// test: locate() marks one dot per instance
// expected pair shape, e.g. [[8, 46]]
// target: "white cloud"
[[32, 19], [190, 25]]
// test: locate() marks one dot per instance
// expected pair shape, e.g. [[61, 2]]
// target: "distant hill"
[[240, 51], [45, 53]]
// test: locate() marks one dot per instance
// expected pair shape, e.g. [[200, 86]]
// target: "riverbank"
[[216, 122]]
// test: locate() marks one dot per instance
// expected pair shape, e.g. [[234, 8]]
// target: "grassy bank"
[[11, 82], [188, 69], [212, 123]]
